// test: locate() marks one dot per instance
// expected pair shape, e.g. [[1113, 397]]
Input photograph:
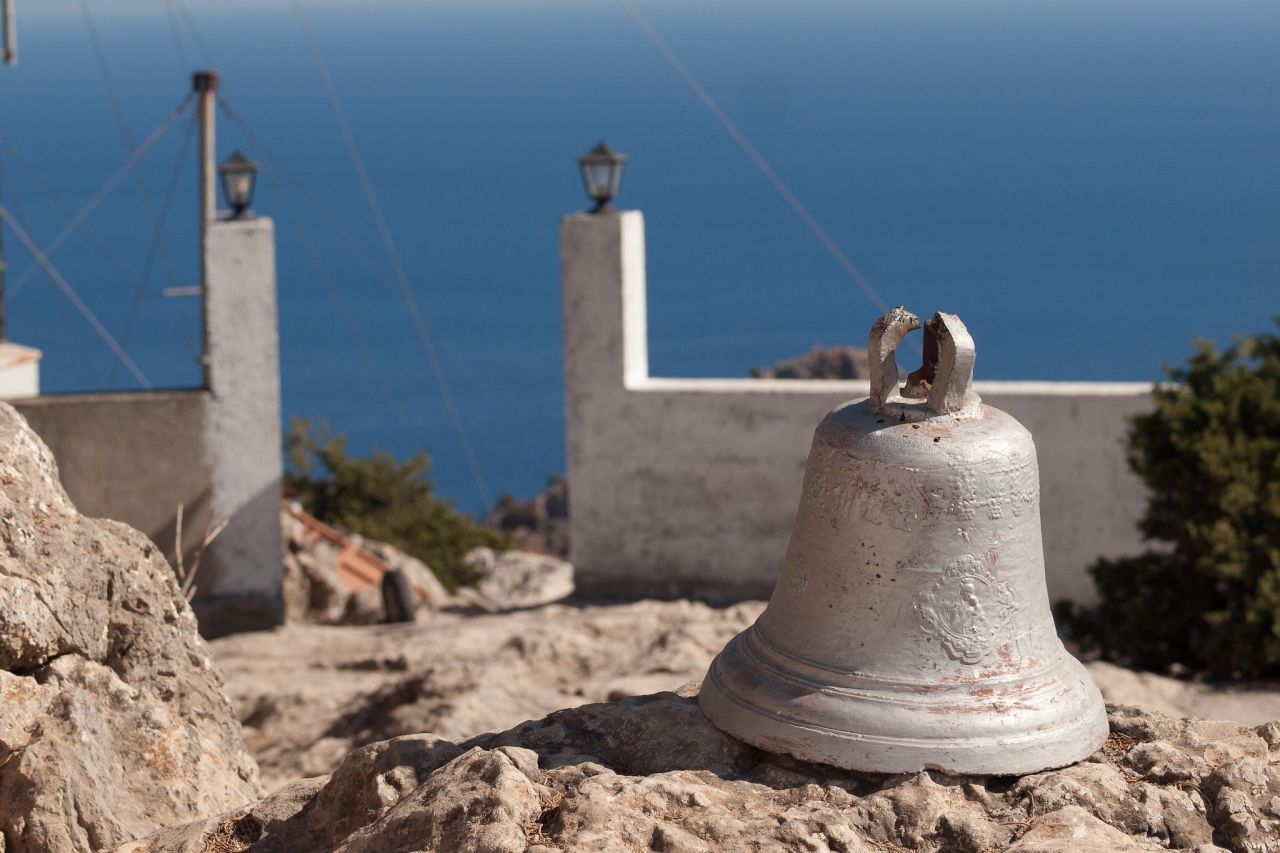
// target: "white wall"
[[240, 583], [689, 486]]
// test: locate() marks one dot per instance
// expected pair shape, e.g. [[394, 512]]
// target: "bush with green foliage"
[[1207, 599], [382, 498]]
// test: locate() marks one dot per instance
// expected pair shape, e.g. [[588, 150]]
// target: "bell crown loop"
[[945, 379]]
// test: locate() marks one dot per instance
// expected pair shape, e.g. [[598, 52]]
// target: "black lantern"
[[601, 174], [238, 174]]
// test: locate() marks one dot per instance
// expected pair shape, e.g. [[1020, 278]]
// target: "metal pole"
[[10, 34], [205, 84], [10, 53]]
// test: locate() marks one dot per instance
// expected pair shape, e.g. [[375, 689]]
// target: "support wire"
[[195, 32], [100, 54], [353, 329], [157, 239], [85, 311], [73, 330], [277, 167], [181, 52], [758, 159], [104, 191], [108, 257], [402, 279]]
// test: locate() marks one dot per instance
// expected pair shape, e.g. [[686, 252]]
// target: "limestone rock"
[[1074, 830], [313, 586], [235, 830], [511, 580], [333, 577], [113, 720], [427, 590], [650, 773], [539, 524], [835, 362]]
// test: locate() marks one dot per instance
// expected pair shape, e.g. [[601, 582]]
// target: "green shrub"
[[1207, 597], [382, 498]]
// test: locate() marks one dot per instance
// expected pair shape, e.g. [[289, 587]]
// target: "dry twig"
[[187, 577]]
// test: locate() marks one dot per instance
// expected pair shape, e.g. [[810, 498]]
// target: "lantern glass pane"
[[239, 188], [598, 179]]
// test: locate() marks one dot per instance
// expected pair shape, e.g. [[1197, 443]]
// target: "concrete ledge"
[[856, 388]]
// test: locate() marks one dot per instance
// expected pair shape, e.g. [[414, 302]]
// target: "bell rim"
[[784, 664], [923, 740]]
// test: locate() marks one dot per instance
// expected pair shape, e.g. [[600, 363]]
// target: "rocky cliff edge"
[[113, 722]]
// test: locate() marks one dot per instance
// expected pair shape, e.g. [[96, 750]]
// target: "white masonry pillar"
[[240, 579], [605, 351]]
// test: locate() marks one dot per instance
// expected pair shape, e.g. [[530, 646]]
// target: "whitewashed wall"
[[689, 486], [243, 587]]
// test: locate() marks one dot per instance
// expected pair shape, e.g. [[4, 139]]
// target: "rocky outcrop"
[[819, 363], [513, 580], [113, 723], [650, 773], [539, 524], [333, 577]]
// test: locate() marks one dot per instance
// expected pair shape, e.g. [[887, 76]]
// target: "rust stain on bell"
[[910, 627]]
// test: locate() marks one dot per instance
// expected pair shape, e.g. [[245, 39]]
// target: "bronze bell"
[[910, 628]]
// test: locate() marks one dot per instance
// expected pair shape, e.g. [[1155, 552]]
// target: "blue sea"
[[1090, 184]]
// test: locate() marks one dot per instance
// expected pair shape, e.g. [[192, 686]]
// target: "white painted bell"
[[910, 628]]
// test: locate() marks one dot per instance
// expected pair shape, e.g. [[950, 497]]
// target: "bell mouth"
[[1050, 718]]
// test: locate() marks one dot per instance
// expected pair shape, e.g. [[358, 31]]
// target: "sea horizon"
[[1090, 186]]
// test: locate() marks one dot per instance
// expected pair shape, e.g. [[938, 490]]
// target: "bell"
[[910, 628]]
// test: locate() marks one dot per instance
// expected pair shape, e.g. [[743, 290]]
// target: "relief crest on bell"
[[968, 610]]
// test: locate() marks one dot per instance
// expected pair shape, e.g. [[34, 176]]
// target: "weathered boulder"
[[314, 590], [428, 592], [650, 773], [113, 723], [511, 580], [333, 577]]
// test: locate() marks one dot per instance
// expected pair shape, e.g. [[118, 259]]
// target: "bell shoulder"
[[912, 434]]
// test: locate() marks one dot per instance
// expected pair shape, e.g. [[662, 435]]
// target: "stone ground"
[[309, 694], [650, 773]]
